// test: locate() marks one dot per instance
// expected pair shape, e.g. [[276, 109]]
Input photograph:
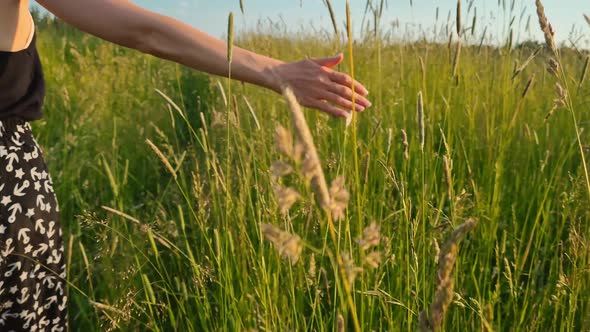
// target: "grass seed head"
[[371, 237], [373, 259], [279, 169], [553, 66], [447, 167], [405, 144], [561, 92], [545, 26], [288, 245], [286, 197], [339, 198], [283, 141], [162, 157], [340, 323], [350, 269], [420, 120], [303, 133], [444, 279]]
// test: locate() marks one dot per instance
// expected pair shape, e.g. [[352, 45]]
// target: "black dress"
[[32, 261]]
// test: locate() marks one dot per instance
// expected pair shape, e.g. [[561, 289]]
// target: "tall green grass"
[[182, 253]]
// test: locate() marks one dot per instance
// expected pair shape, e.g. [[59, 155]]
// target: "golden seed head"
[[350, 269], [373, 259], [279, 169], [553, 66], [288, 245], [340, 323], [339, 198], [162, 158], [436, 250], [371, 237], [283, 141], [318, 180], [286, 197], [545, 26], [405, 144], [420, 119], [561, 92]]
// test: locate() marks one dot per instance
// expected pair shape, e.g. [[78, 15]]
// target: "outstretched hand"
[[317, 85]]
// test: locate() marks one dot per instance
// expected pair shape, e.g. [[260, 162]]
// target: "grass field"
[[169, 235]]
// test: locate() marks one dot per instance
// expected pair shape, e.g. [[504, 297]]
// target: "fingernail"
[[360, 109]]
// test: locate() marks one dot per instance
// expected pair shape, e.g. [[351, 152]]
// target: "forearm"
[[124, 23]]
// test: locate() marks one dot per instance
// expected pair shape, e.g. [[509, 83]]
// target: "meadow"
[[191, 203]]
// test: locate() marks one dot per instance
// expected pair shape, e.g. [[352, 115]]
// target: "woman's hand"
[[316, 85]]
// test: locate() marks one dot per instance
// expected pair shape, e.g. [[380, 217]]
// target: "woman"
[[32, 267]]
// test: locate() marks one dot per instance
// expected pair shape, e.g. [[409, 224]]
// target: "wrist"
[[271, 77]]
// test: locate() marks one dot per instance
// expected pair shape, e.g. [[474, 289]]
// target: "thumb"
[[329, 62]]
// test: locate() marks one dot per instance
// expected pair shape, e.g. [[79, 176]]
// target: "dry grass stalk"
[[527, 88], [436, 250], [286, 197], [456, 58], [405, 144], [474, 23], [340, 323], [288, 245], [584, 71], [443, 296], [459, 18], [447, 167], [318, 179], [333, 18], [545, 26], [420, 119], [230, 37], [526, 62], [587, 18], [162, 158]]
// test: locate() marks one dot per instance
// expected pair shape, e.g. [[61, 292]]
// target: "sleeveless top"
[[22, 84]]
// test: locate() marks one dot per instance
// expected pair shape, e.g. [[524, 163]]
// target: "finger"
[[330, 61], [328, 108], [346, 93], [346, 80], [341, 101]]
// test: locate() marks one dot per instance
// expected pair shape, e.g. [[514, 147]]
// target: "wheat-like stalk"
[[405, 144], [545, 26], [318, 179], [584, 72], [162, 157], [459, 18], [443, 296], [420, 120]]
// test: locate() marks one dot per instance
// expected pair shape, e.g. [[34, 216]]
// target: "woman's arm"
[[126, 24]]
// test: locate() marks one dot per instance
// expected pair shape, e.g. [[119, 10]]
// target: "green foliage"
[[192, 260]]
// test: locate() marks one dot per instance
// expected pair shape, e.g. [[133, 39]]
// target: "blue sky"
[[211, 15]]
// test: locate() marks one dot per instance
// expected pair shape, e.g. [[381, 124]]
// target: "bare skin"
[[122, 22]]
